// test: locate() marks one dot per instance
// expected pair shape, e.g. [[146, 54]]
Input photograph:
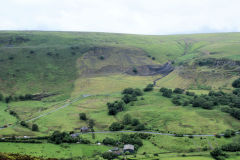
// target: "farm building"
[[128, 148]]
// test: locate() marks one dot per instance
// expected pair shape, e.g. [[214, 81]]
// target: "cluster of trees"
[[166, 92], [218, 154], [230, 101], [134, 139], [33, 128], [10, 98], [129, 95], [115, 107], [64, 137], [128, 123]]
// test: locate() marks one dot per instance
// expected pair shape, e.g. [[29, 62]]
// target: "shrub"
[[109, 141], [135, 122], [167, 93], [1, 97], [127, 119], [102, 57], [115, 107], [109, 155], [178, 90], [218, 154], [163, 89], [127, 98], [135, 70], [35, 127], [236, 91], [229, 133], [232, 147], [83, 116], [140, 127], [148, 88], [190, 93], [24, 124], [236, 83], [116, 126]]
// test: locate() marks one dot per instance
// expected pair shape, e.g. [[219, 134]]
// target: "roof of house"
[[128, 146], [84, 128]]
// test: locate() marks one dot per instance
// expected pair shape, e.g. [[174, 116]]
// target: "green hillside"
[[48, 78]]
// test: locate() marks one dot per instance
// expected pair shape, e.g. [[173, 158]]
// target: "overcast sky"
[[122, 16]]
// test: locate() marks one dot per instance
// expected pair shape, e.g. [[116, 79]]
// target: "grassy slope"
[[37, 72], [61, 72]]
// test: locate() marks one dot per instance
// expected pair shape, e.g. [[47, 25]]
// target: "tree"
[[109, 141], [198, 102], [140, 127], [91, 123], [218, 154], [116, 126], [129, 98], [83, 116], [127, 119], [115, 107], [8, 99], [1, 97], [135, 122], [163, 89], [35, 127], [178, 90], [236, 83], [24, 124], [167, 93], [135, 70], [102, 57], [148, 88]]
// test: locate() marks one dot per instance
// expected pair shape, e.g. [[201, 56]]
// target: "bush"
[[178, 90], [116, 126], [163, 89], [148, 88], [127, 119], [135, 70], [24, 124], [102, 57], [109, 155], [127, 98], [1, 97], [35, 127], [218, 154], [135, 122], [190, 93], [229, 133], [236, 83], [140, 127], [136, 91], [167, 93], [236, 91], [232, 147], [83, 116], [109, 141], [115, 107], [58, 138]]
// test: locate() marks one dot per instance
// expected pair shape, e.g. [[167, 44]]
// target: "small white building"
[[128, 148]]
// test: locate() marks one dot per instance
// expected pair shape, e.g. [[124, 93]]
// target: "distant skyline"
[[155, 17]]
